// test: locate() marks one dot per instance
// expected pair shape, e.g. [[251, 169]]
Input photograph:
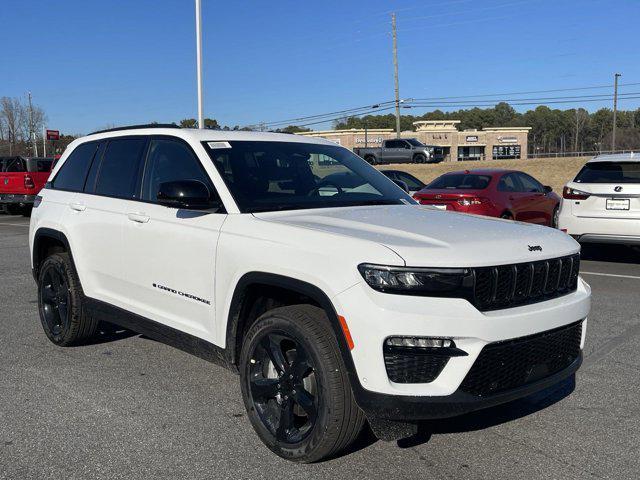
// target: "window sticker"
[[218, 145]]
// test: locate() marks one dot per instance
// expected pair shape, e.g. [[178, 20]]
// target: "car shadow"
[[603, 252], [108, 333], [491, 417]]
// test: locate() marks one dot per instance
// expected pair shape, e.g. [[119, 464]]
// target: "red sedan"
[[494, 193]]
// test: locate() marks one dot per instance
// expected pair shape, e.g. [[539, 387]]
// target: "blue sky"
[[94, 63]]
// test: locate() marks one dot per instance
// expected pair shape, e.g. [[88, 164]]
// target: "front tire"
[[295, 386], [420, 158], [60, 302]]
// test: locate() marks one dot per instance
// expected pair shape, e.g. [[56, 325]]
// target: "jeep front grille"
[[509, 286]]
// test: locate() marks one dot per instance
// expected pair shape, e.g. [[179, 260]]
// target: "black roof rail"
[[133, 127]]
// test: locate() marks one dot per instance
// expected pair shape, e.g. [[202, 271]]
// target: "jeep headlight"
[[435, 282]]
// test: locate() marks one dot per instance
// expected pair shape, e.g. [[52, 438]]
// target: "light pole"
[[615, 109], [395, 73], [199, 61]]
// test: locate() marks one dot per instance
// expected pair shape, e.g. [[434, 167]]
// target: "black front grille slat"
[[553, 275], [514, 363], [507, 286]]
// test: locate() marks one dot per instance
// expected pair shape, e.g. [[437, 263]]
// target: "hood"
[[424, 236]]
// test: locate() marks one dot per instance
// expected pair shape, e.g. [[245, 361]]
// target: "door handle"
[[78, 207], [138, 217]]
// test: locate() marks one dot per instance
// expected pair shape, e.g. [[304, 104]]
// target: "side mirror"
[[402, 185], [188, 194], [547, 189]]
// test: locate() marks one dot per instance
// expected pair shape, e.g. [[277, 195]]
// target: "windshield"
[[415, 142], [270, 176], [456, 181], [609, 172]]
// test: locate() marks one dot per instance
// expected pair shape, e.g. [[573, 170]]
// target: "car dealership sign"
[[53, 134]]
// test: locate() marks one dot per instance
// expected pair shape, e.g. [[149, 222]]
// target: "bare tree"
[[12, 115]]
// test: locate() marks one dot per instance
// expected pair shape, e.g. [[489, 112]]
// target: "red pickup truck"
[[21, 179]]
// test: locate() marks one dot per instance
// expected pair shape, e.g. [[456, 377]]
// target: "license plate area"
[[618, 204], [438, 206]]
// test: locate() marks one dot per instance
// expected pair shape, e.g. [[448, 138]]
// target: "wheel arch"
[[46, 241], [507, 211], [239, 316]]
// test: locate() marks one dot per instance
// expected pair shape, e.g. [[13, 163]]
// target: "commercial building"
[[452, 144]]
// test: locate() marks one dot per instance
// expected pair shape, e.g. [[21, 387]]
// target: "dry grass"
[[549, 171]]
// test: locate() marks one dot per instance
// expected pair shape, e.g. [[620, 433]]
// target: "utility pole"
[[615, 109], [44, 141], [395, 72], [199, 61], [32, 133]]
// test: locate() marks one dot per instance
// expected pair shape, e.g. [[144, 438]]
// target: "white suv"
[[602, 204], [336, 304]]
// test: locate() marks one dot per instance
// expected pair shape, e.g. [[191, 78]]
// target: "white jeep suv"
[[602, 204], [335, 304]]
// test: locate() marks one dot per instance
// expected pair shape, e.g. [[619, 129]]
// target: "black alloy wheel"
[[61, 302], [295, 386], [55, 300], [283, 387]]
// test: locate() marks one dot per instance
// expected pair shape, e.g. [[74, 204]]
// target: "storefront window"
[[470, 153], [506, 152]]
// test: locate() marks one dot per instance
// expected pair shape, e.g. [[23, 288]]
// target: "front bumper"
[[372, 317], [600, 229], [407, 408], [16, 199]]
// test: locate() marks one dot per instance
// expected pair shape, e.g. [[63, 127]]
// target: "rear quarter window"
[[460, 181], [73, 172], [609, 172]]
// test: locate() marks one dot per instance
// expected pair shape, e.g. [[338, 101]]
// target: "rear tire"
[[295, 386], [61, 303], [371, 160], [507, 216], [13, 209]]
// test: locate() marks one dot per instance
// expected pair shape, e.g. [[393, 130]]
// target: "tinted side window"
[[118, 174], [90, 184], [508, 183], [74, 171], [529, 184], [16, 164], [410, 180], [168, 161], [394, 144]]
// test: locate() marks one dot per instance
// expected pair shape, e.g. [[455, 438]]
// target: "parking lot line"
[[14, 224], [610, 275]]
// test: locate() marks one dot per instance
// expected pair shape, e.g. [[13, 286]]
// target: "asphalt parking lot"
[[129, 407]]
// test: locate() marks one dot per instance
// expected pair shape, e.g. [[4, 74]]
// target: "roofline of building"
[[346, 132], [506, 129]]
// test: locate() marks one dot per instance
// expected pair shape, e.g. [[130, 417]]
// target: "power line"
[[530, 92], [317, 116], [429, 103], [510, 100], [478, 104], [342, 116]]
